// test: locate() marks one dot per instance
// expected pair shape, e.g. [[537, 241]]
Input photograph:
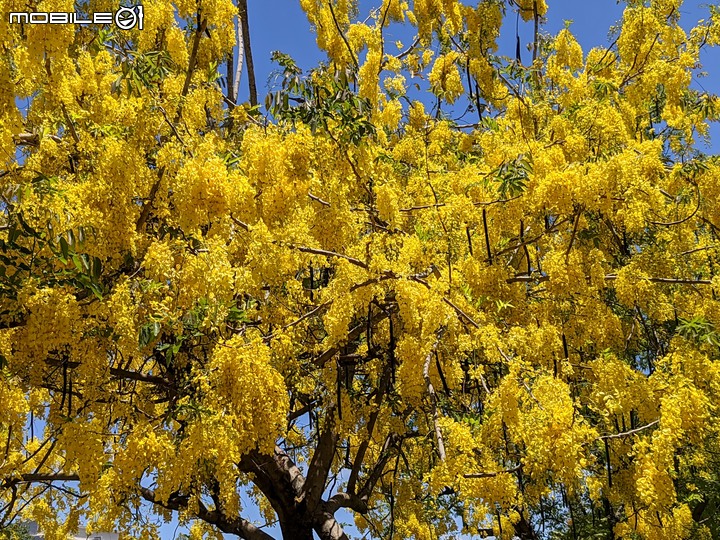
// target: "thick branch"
[[321, 462], [118, 373], [238, 72], [277, 477], [236, 525], [247, 49], [346, 500], [327, 528], [202, 25]]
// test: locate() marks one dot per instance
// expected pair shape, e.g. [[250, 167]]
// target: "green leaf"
[[13, 235], [236, 314], [96, 268], [148, 332], [64, 249]]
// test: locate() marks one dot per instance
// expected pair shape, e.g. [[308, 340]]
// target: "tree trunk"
[[296, 528], [329, 528]]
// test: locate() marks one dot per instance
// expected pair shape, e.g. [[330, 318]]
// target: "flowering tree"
[[507, 327]]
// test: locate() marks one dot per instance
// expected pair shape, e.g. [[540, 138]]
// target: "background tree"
[[505, 328], [14, 531]]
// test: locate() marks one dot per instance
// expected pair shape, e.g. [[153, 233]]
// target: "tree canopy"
[[506, 325]]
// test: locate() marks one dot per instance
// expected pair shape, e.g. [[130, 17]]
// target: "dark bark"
[[232, 525], [297, 502], [245, 26], [524, 530]]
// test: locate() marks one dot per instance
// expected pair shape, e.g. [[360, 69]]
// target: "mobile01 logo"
[[125, 18]]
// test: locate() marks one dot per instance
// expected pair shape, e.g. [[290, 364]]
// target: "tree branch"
[[492, 474], [342, 34], [355, 333], [433, 398], [118, 373], [241, 527], [628, 433], [529, 278], [314, 251], [321, 462], [245, 25], [360, 456]]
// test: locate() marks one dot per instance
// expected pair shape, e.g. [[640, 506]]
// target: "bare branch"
[[294, 415], [576, 223], [318, 199], [309, 314], [492, 474], [433, 397], [314, 251], [683, 220], [239, 223], [530, 278], [238, 70], [628, 433], [232, 525], [174, 129], [245, 25], [321, 462], [202, 25], [676, 281], [342, 34], [422, 207], [117, 373], [461, 313]]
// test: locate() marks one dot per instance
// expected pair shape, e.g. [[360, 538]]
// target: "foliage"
[[15, 532], [507, 327]]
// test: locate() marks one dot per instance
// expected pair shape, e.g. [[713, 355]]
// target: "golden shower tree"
[[505, 327]]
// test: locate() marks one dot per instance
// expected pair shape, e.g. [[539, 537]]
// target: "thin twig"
[[309, 314], [683, 220], [326, 253], [409, 49], [529, 278], [342, 34], [423, 207], [461, 313], [572, 236], [174, 129], [239, 223], [492, 474], [318, 199]]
